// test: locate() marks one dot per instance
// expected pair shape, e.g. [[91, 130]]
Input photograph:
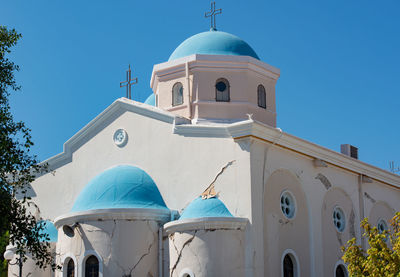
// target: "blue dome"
[[213, 43], [151, 100], [49, 229], [212, 207], [122, 186]]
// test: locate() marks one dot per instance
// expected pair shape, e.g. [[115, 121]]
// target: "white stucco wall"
[[184, 159]]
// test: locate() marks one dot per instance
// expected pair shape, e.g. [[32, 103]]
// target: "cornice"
[[206, 223], [257, 130], [111, 214], [176, 68]]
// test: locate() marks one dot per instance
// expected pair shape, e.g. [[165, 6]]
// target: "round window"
[[220, 86], [382, 226], [339, 219], [287, 204]]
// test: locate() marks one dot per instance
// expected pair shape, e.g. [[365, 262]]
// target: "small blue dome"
[[122, 186], [49, 229], [212, 207], [151, 100], [213, 43]]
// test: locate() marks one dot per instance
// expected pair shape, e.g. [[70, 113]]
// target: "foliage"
[[383, 255], [3, 262], [18, 168]]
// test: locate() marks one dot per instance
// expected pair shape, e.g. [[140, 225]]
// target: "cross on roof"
[[212, 15], [128, 83]]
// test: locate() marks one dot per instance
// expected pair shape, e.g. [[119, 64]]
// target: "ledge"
[[206, 223], [111, 214]]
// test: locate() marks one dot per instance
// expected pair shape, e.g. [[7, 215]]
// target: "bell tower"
[[216, 77]]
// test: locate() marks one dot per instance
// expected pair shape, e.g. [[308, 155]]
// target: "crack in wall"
[[209, 192], [180, 252], [143, 256]]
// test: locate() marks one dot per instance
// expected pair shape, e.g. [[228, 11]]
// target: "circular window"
[[221, 86], [382, 226], [120, 137], [339, 219], [287, 204]]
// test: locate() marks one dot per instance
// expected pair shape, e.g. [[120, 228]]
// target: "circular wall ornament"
[[120, 137], [288, 206], [382, 226], [339, 219]]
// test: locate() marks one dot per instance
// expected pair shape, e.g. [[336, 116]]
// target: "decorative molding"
[[206, 223], [201, 131], [319, 163], [197, 62], [111, 214], [258, 130], [230, 103]]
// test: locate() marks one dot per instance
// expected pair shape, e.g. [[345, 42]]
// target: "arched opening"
[[222, 93], [186, 272], [340, 271], [92, 267], [69, 268], [288, 266], [262, 97], [177, 94]]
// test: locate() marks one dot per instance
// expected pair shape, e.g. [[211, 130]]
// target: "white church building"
[[199, 181]]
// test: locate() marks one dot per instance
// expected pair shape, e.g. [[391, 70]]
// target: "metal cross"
[[128, 83], [212, 14]]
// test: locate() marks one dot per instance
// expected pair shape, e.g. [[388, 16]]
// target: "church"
[[199, 181]]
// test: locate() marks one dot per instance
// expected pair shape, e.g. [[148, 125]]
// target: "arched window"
[[288, 266], [340, 271], [177, 94], [186, 272], [262, 97], [92, 267], [222, 90], [70, 268]]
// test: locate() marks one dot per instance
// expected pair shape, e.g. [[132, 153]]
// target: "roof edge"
[[118, 107]]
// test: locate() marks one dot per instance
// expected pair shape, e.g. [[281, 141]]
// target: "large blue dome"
[[212, 207], [213, 43], [122, 186]]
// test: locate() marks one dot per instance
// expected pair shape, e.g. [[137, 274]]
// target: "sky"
[[339, 63]]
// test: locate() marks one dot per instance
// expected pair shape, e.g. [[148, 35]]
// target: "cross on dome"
[[212, 15], [128, 83]]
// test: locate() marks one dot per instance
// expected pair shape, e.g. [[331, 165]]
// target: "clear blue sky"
[[339, 62]]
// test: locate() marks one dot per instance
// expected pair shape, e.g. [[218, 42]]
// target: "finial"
[[212, 15], [128, 83]]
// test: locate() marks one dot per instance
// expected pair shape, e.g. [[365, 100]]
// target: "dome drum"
[[213, 237], [199, 75], [209, 242], [118, 244]]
